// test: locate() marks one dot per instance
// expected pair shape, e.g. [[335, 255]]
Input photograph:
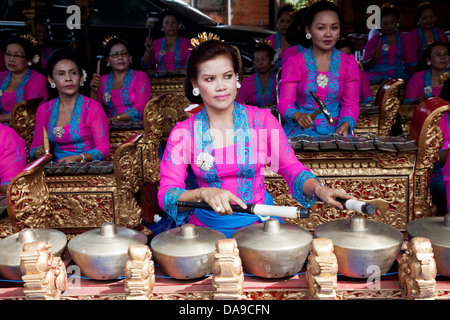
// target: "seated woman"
[[13, 157], [385, 52], [425, 83], [20, 82], [323, 70], [285, 17], [124, 92], [77, 126], [169, 53], [294, 36], [227, 144], [425, 33], [365, 93], [259, 89]]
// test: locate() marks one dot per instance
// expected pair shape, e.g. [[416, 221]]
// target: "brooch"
[[428, 90], [1, 93], [58, 131], [385, 47], [205, 161], [107, 97], [322, 80]]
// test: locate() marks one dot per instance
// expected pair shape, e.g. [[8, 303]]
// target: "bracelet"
[[84, 158], [118, 118], [314, 190], [196, 195]]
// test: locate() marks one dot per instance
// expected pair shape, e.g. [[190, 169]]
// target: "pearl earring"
[[195, 92], [308, 36], [238, 84], [108, 64], [53, 85]]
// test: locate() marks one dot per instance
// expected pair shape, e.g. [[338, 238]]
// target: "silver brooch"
[[205, 161], [428, 90], [385, 47], [322, 80], [107, 97], [58, 132]]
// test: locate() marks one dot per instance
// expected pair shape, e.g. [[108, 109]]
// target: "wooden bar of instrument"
[[79, 168], [336, 142]]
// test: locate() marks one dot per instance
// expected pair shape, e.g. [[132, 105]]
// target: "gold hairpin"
[[387, 5], [30, 38], [202, 37], [444, 77], [108, 40]]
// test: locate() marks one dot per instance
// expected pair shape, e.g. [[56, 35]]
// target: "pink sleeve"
[[411, 48], [242, 96], [350, 94], [99, 127], [366, 91], [290, 79], [142, 92], [370, 47], [414, 88], [13, 158], [37, 88]]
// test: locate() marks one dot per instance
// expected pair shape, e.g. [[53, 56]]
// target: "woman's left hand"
[[68, 159], [329, 195], [343, 129]]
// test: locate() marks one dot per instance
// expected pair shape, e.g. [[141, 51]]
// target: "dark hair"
[[345, 43], [390, 10], [168, 12], [294, 30], [422, 63], [311, 13], [206, 51], [421, 9], [265, 47], [289, 8], [27, 45], [445, 91], [113, 42], [55, 57]]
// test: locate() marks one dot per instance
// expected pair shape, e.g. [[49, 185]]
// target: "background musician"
[[227, 144], [20, 82], [322, 69], [77, 125], [124, 92]]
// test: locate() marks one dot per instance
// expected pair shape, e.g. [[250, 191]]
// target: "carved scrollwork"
[[139, 273]]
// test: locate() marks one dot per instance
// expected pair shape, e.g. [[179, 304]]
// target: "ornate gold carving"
[[139, 273], [228, 275], [321, 272], [417, 270], [44, 275], [389, 107], [167, 85]]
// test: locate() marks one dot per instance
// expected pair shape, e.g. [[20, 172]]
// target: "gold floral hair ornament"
[[108, 40], [30, 38], [444, 77], [311, 2], [387, 5], [425, 3], [202, 37], [263, 41]]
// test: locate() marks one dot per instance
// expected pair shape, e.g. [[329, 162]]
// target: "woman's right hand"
[[40, 151], [220, 200], [95, 82], [304, 120], [148, 44]]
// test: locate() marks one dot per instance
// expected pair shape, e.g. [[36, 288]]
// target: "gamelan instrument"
[[257, 209], [79, 168], [186, 252], [437, 230], [102, 253], [363, 248], [322, 108], [11, 246], [273, 249], [366, 142]]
